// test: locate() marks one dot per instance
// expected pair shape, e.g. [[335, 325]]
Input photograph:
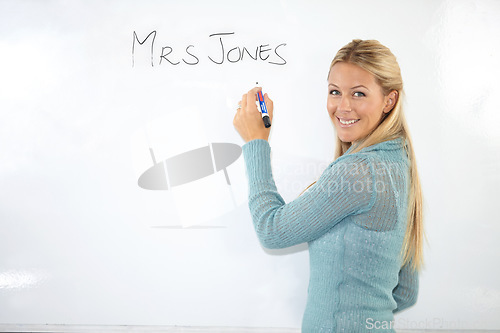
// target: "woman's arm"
[[345, 188], [406, 292]]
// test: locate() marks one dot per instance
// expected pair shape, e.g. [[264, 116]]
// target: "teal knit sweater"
[[354, 220]]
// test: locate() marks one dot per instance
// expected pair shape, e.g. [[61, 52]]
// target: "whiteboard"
[[89, 103]]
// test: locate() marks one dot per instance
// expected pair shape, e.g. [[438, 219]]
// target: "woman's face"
[[356, 102]]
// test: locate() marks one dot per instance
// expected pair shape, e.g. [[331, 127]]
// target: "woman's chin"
[[345, 138]]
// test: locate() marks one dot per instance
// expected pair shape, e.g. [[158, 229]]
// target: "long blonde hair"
[[378, 60]]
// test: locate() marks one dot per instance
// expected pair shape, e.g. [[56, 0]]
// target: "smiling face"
[[356, 102]]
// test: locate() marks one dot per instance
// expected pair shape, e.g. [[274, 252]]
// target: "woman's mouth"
[[347, 122]]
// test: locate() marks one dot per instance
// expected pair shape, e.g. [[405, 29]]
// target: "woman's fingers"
[[251, 99], [248, 120], [244, 101], [248, 102]]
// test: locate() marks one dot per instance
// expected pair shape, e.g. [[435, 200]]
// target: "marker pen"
[[263, 109]]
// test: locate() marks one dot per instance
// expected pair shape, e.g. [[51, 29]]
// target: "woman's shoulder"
[[389, 145], [374, 156], [395, 150]]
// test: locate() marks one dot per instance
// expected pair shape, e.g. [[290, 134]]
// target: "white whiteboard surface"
[[82, 244]]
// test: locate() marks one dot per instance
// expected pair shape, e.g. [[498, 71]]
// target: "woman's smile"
[[344, 122]]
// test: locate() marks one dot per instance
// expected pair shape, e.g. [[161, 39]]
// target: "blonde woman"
[[362, 219]]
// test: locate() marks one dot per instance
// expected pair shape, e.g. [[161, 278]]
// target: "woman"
[[362, 219]]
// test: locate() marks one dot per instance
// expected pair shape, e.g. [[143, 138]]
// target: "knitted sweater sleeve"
[[345, 188], [406, 292]]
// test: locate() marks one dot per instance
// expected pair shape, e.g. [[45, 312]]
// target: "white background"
[[82, 243]]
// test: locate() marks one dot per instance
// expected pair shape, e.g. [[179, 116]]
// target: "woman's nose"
[[345, 104]]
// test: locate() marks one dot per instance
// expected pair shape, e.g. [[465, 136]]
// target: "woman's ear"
[[390, 101]]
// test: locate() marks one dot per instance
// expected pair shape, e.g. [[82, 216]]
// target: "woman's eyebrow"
[[360, 86], [355, 87]]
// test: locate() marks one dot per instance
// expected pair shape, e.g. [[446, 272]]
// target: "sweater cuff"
[[257, 155]]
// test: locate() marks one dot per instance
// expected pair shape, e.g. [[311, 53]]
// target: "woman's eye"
[[334, 92], [359, 94]]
